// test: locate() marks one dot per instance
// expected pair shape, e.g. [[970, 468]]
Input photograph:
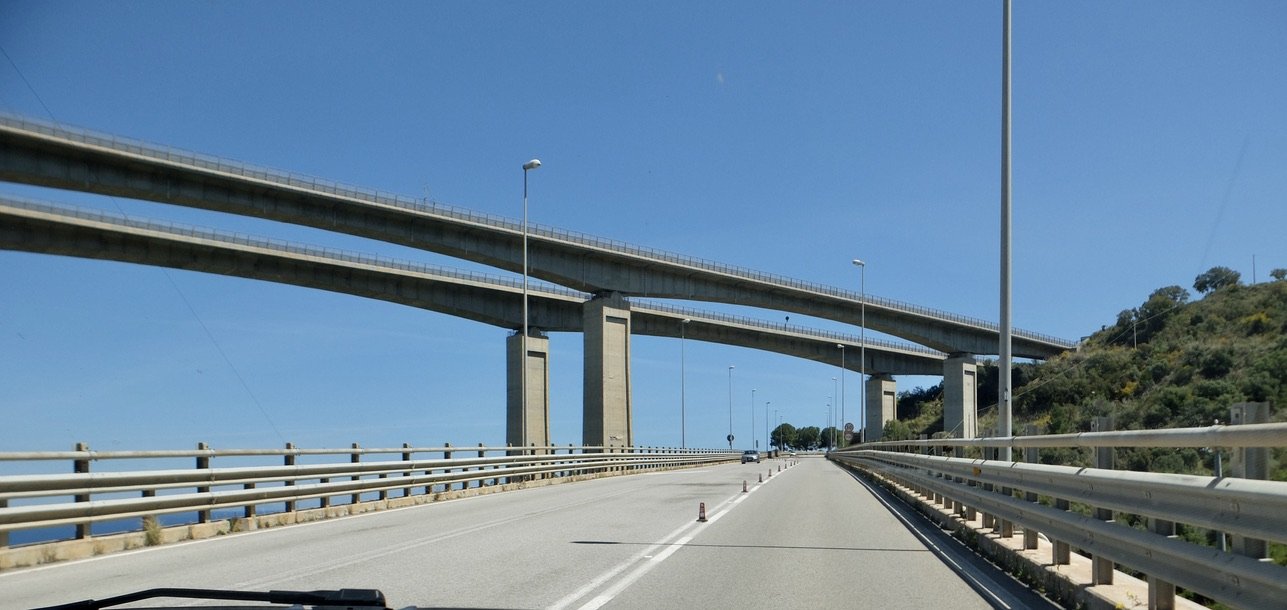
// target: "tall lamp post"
[[835, 398], [1003, 375], [767, 439], [862, 348], [683, 388], [842, 388], [522, 361], [777, 419], [730, 407]]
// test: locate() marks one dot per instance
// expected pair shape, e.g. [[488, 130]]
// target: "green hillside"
[[1170, 362]]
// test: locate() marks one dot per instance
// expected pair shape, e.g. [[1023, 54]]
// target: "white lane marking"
[[630, 578], [280, 576], [715, 514], [967, 574]]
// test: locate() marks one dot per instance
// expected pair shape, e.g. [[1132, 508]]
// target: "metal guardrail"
[[419, 268], [1037, 497], [207, 162], [82, 497]]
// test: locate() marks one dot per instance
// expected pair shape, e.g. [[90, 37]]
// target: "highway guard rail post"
[[1251, 510], [83, 498]]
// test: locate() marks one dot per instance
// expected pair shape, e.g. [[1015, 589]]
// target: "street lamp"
[[862, 347], [842, 387], [767, 438], [1004, 412], [828, 428], [777, 419], [730, 407], [683, 401], [835, 397], [522, 361]]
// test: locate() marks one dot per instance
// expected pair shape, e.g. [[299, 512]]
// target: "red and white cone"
[[701, 512]]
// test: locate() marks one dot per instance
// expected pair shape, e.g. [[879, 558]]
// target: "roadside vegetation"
[[1170, 362]]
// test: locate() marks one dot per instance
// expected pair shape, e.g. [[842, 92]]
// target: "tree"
[[1278, 274], [827, 435], [783, 436], [896, 431], [806, 438], [1216, 278]]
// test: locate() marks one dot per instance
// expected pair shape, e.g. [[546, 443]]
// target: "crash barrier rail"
[[1036, 498], [299, 181], [82, 497]]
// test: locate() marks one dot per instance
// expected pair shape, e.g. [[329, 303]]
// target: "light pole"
[[683, 388], [1003, 374], [828, 426], [777, 419], [835, 398], [522, 361], [730, 407], [767, 439], [842, 387], [862, 349], [754, 442]]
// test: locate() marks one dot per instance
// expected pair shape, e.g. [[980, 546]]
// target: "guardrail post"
[[988, 521], [203, 461], [81, 467], [354, 458], [1161, 594], [384, 493], [446, 455], [406, 457], [289, 460], [481, 468], [1060, 553], [1031, 455], [509, 450], [1250, 463], [970, 512], [1101, 568]]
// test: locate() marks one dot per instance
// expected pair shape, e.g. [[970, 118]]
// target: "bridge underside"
[[607, 322]]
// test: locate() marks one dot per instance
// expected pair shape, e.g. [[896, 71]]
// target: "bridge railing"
[[299, 181], [1117, 517], [82, 498], [851, 339]]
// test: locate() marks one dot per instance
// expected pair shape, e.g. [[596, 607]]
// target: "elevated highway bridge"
[[40, 154], [40, 228]]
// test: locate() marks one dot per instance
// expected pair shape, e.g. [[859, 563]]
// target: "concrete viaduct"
[[44, 155], [35, 227]]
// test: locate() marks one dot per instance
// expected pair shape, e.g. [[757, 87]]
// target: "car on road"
[[750, 455]]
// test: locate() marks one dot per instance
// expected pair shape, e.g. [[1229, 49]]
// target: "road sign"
[[849, 428], [730, 438]]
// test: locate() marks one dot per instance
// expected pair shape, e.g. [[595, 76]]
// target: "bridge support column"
[[960, 396], [533, 427], [607, 419], [881, 400]]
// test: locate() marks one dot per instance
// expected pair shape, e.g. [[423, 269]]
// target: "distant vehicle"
[[750, 455]]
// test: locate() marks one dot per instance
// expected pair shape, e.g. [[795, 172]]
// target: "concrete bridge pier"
[[960, 396], [607, 419], [881, 400], [534, 429]]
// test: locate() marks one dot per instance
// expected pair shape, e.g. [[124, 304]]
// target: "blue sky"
[[1150, 143]]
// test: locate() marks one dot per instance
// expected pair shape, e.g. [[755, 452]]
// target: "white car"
[[750, 455]]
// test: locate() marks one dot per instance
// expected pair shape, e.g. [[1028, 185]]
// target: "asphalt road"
[[811, 536]]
